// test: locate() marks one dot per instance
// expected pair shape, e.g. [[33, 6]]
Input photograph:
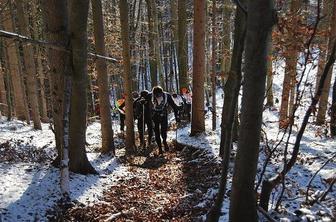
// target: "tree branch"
[[311, 180], [268, 217], [50, 45]]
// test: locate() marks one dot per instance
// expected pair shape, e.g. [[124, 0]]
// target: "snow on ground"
[[315, 149], [30, 185], [28, 189]]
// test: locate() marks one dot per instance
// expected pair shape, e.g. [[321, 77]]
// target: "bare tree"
[[232, 85], [40, 70], [78, 38], [3, 98], [29, 63], [259, 26], [269, 184], [333, 111], [213, 63], [14, 65], [197, 122], [104, 103], [226, 40], [291, 54], [56, 18], [153, 62], [231, 89], [130, 141], [7, 85], [182, 44], [56, 29], [323, 103], [269, 80]]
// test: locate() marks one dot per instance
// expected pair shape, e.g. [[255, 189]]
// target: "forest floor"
[[172, 187], [180, 186]]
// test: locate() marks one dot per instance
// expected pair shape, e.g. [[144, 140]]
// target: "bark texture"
[[104, 102], [197, 122], [323, 103], [260, 20], [182, 44], [56, 27], [14, 66], [29, 63], [130, 142], [78, 16]]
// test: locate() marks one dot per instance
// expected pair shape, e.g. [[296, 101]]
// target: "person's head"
[[157, 91], [144, 93], [184, 90], [135, 94], [120, 101]]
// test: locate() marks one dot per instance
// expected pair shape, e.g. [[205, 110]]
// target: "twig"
[[311, 180], [288, 166], [268, 217], [328, 190], [268, 159]]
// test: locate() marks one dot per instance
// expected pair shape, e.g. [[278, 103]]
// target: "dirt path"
[[175, 187]]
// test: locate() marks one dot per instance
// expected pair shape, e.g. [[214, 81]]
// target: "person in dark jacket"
[[142, 112], [160, 102]]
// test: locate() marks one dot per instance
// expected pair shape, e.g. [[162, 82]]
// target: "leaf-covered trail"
[[175, 187]]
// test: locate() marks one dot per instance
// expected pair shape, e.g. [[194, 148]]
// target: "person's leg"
[[164, 128], [122, 122], [149, 124], [141, 131], [157, 135], [189, 111]]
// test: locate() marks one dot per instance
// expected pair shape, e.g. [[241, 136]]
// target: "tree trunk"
[[130, 141], [269, 184], [291, 54], [28, 53], [153, 63], [259, 26], [41, 75], [290, 68], [65, 179], [269, 83], [226, 42], [198, 123], [323, 103], [78, 37], [232, 85], [157, 42], [104, 104], [323, 39], [174, 40], [213, 64], [231, 89], [3, 98], [56, 18], [8, 87], [21, 109], [43, 95], [182, 44], [333, 111]]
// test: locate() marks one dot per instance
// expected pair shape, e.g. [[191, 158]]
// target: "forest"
[[168, 110]]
